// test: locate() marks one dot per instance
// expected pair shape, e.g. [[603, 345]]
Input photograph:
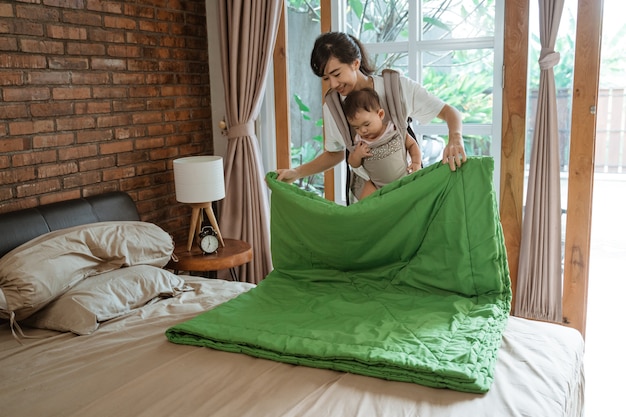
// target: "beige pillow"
[[40, 270], [104, 297]]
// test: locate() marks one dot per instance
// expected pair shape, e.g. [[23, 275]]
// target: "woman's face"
[[341, 77]]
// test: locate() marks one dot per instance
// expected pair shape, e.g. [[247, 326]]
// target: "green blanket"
[[410, 284]]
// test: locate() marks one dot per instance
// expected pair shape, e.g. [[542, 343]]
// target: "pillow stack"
[[87, 274]]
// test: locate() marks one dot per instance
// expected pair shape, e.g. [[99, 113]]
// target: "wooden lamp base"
[[196, 222]]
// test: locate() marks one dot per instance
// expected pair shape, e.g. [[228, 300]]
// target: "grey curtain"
[[247, 38], [539, 285]]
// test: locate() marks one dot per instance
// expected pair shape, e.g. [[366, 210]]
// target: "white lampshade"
[[199, 179]]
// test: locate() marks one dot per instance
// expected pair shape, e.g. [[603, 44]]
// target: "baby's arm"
[[361, 150], [415, 152]]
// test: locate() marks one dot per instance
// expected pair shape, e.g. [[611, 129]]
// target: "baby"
[[379, 147]]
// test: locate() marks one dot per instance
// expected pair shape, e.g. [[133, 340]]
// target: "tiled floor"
[[604, 352]]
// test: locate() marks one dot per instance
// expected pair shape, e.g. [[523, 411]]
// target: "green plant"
[[308, 151]]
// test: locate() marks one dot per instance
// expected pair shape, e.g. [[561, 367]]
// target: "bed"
[[125, 366]]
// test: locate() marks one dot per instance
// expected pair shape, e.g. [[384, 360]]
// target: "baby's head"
[[364, 113]]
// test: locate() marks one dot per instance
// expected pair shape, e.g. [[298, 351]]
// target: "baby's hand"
[[413, 167], [362, 150]]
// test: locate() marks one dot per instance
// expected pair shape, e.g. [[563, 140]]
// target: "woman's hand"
[[287, 175], [454, 154]]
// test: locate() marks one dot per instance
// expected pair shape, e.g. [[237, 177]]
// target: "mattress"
[[128, 368]]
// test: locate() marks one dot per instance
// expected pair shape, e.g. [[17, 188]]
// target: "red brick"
[[66, 32], [53, 140], [110, 92], [85, 49], [151, 167], [71, 93], [120, 22], [23, 27], [96, 163], [8, 44], [41, 46], [77, 152], [17, 175], [85, 136], [124, 50], [114, 120], [29, 127], [75, 123], [36, 12], [149, 143], [161, 129], [26, 94], [79, 77], [135, 183], [118, 173], [11, 78], [144, 91], [48, 77], [33, 158], [129, 132], [60, 196], [139, 11], [105, 6], [68, 63], [160, 103], [82, 179], [163, 153], [92, 107], [51, 109], [151, 26], [152, 117], [6, 10], [66, 4], [129, 105], [22, 61], [109, 35], [132, 79], [82, 18], [14, 145], [108, 64], [38, 187], [116, 147], [13, 111], [142, 65], [57, 170]]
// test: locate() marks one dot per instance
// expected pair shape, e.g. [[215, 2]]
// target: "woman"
[[341, 60]]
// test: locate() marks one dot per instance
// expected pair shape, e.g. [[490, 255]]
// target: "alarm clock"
[[207, 238]]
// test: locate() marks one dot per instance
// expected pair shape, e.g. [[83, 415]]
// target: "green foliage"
[[309, 150]]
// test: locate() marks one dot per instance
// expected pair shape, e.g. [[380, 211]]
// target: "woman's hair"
[[346, 48], [357, 100]]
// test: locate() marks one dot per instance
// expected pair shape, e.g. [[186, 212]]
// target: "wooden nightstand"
[[234, 253]]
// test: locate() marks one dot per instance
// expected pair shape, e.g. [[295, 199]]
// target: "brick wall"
[[102, 95]]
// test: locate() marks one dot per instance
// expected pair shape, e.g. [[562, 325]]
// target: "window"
[[453, 48]]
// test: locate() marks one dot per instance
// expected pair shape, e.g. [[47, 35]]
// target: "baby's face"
[[368, 124]]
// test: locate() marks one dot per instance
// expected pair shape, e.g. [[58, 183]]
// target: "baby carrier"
[[393, 104]]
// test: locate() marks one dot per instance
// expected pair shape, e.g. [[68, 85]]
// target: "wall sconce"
[[199, 181]]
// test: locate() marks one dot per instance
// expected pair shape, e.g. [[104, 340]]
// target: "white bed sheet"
[[128, 368]]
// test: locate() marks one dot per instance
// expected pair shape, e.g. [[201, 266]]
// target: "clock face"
[[209, 244]]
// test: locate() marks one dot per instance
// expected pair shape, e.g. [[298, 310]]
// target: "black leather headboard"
[[20, 226]]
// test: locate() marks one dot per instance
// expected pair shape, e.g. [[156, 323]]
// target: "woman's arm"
[[454, 152], [322, 163]]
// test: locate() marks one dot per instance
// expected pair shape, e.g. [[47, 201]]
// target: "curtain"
[[539, 274], [247, 37]]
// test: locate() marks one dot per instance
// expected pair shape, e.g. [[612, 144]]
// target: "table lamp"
[[199, 181]]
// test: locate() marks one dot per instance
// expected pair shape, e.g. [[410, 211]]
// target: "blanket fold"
[[410, 284]]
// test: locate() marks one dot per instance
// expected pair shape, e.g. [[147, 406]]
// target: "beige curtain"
[[247, 37], [539, 275]]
